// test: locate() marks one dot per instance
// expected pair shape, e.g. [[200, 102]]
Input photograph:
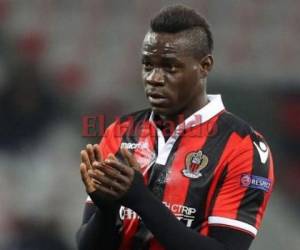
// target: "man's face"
[[171, 75]]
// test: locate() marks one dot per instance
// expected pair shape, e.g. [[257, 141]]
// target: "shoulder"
[[250, 143], [232, 122], [243, 133], [123, 127], [239, 126]]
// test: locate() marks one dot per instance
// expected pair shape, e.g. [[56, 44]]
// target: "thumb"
[[97, 152], [112, 157]]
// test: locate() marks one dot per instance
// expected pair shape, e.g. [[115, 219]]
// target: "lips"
[[156, 99]]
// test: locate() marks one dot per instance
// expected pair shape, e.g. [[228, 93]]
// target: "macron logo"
[[263, 151], [129, 145]]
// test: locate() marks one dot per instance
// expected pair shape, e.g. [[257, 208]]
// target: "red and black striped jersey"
[[214, 169]]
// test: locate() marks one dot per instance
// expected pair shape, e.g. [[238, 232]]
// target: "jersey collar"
[[214, 106]]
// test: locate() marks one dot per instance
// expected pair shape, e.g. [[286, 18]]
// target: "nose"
[[155, 77]]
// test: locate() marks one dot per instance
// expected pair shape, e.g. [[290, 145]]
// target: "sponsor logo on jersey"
[[183, 213], [194, 163], [129, 145], [255, 182], [128, 214]]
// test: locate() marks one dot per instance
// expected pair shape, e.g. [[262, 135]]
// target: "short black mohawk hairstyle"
[[177, 18]]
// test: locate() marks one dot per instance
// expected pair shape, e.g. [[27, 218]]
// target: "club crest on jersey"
[[194, 163]]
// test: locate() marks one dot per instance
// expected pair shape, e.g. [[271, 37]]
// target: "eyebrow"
[[165, 49], [165, 58]]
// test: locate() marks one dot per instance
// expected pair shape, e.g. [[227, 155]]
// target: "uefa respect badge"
[[255, 182]]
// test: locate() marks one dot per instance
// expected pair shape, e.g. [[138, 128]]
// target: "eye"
[[147, 66], [170, 68]]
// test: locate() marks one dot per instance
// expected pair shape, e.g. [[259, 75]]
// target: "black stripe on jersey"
[[158, 175], [198, 188], [253, 198], [137, 116], [239, 126], [136, 121]]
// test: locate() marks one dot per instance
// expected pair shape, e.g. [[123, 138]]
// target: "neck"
[[197, 104]]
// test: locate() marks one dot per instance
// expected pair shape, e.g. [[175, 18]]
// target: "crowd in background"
[[63, 59]]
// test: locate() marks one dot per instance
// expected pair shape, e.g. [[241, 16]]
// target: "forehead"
[[164, 43]]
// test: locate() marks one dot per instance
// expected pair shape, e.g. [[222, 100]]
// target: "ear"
[[206, 64]]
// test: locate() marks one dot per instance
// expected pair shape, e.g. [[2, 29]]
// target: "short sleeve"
[[249, 178]]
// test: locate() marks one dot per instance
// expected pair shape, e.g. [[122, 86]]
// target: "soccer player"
[[185, 174]]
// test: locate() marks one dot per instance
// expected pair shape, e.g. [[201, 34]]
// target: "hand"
[[89, 156], [113, 178]]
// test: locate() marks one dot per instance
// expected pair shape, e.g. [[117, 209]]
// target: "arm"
[[98, 229], [243, 194], [178, 236]]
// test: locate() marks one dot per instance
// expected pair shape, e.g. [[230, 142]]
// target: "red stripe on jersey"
[[112, 138], [130, 227], [227, 205], [155, 245], [204, 228]]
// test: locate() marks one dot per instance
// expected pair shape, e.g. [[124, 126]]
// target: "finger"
[[86, 178], [125, 170], [90, 151], [97, 165], [114, 174], [97, 152], [107, 191], [95, 174], [112, 157], [125, 158], [85, 159], [96, 168], [130, 159], [95, 182], [83, 173], [108, 182]]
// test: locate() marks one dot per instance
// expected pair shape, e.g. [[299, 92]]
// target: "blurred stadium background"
[[62, 59]]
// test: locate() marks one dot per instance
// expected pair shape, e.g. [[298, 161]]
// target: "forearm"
[[174, 235], [98, 229], [99, 232], [167, 229]]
